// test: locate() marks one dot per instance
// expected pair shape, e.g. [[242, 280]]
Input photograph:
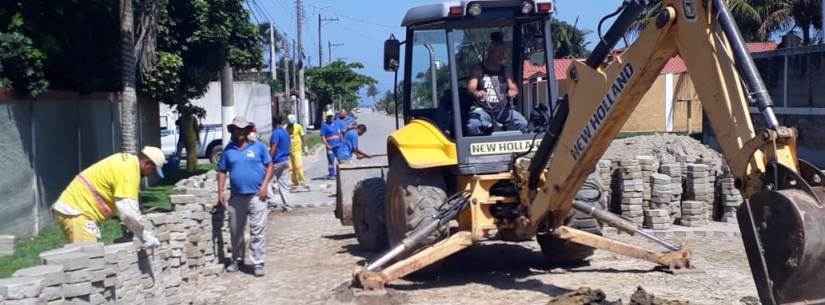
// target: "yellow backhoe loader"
[[475, 161]]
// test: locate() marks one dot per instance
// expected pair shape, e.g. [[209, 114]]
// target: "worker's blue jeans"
[[481, 122], [332, 154]]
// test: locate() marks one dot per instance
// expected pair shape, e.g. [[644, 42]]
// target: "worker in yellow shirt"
[[106, 189], [296, 154]]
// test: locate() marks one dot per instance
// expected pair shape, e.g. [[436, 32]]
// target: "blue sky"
[[365, 24]]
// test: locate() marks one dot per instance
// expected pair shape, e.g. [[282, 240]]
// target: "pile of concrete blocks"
[[192, 250], [48, 279], [632, 191], [23, 290], [649, 166], [84, 270], [694, 213], [6, 245], [604, 172], [125, 281], [674, 170], [699, 187], [730, 198], [657, 219]]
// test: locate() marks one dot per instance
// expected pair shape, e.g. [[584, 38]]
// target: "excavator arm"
[[782, 223]]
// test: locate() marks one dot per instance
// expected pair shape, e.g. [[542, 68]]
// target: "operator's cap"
[[239, 122], [157, 157]]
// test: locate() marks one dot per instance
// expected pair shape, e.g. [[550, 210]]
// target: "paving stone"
[[78, 289], [18, 288], [50, 274], [655, 213]]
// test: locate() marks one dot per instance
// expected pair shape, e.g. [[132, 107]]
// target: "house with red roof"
[[671, 104]]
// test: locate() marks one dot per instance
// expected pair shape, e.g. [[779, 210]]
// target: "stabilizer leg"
[[372, 280], [675, 261]]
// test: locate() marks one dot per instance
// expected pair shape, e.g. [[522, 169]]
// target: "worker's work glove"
[[149, 240]]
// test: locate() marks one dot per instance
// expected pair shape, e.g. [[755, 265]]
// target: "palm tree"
[[128, 95], [783, 16], [747, 13]]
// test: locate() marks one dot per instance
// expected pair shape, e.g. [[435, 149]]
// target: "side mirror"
[[392, 54]]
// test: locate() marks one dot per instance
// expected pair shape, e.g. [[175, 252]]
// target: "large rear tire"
[[413, 196], [559, 251], [368, 214]]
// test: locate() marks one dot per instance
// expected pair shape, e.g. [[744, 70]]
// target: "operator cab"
[[464, 71]]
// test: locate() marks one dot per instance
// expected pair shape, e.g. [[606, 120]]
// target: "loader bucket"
[[784, 236], [349, 175]]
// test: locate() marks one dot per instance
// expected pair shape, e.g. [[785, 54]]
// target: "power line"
[[356, 19]]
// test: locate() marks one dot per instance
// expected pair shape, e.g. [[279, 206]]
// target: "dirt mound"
[[665, 146], [587, 296]]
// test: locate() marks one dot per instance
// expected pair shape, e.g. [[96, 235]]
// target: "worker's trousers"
[[296, 162], [243, 209], [279, 186], [332, 157]]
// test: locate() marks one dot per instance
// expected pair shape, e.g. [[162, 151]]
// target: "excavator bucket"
[[784, 236]]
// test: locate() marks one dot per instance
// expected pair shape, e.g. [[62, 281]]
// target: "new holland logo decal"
[[605, 107]]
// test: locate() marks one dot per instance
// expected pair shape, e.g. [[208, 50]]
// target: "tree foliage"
[[570, 42], [337, 82], [21, 65]]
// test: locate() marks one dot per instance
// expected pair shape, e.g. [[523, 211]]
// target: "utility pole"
[[294, 66], [273, 64], [286, 67], [304, 108], [331, 45], [227, 101], [320, 48]]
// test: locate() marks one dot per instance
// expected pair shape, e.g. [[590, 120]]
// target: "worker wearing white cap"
[[108, 188]]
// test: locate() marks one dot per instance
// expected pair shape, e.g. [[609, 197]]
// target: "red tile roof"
[[675, 65]]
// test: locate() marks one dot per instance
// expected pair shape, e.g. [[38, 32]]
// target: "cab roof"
[[434, 12]]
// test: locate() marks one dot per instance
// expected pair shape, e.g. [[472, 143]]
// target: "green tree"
[[21, 64], [372, 92], [782, 16], [337, 82], [569, 40], [747, 13], [195, 39]]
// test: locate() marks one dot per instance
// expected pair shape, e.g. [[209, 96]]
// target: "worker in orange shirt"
[[107, 189]]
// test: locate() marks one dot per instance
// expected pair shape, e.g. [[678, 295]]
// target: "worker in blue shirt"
[[350, 146], [332, 137], [247, 165], [279, 147]]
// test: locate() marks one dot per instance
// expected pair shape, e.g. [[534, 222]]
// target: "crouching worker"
[[107, 189]]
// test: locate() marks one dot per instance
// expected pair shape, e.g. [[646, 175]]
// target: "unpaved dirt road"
[[310, 257]]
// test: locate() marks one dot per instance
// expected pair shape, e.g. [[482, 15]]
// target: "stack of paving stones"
[[23, 290], [174, 273], [51, 279], [649, 166], [729, 199], [6, 245], [604, 172], [657, 219], [673, 170], [632, 191], [694, 213], [84, 270], [699, 186]]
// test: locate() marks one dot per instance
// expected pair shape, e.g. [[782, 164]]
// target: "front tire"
[[558, 251], [413, 196], [368, 214], [214, 153]]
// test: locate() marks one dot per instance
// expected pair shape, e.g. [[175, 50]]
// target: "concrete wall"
[[252, 99], [46, 142]]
